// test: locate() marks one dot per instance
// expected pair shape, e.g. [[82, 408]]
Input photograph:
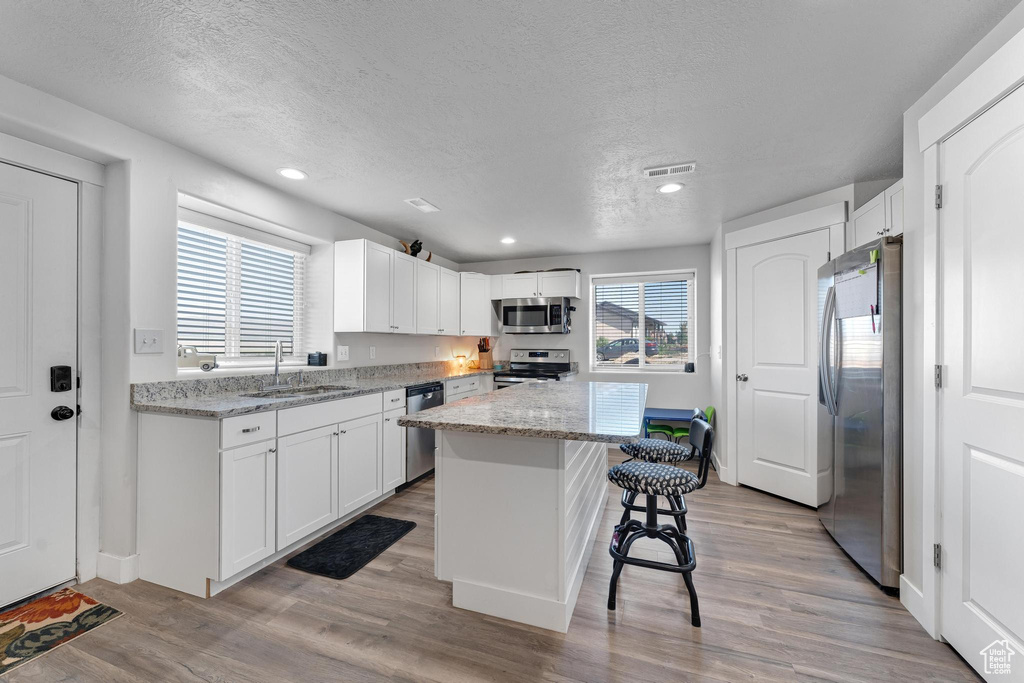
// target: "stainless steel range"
[[546, 365]]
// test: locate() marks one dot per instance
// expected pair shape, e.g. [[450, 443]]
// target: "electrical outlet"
[[342, 353], [437, 352], [373, 352], [149, 341]]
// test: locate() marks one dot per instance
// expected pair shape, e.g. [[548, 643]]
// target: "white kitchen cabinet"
[[247, 506], [394, 450], [360, 456], [477, 313], [519, 286], [559, 283], [448, 302], [374, 288], [881, 215], [307, 483], [428, 277]]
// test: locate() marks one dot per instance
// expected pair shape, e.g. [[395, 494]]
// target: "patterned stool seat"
[[657, 450], [653, 478]]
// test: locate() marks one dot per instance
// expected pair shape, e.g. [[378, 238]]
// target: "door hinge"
[[938, 196], [937, 555], [938, 376]]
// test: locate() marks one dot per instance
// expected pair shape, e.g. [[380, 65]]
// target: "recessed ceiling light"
[[422, 204], [292, 173], [669, 187], [508, 240]]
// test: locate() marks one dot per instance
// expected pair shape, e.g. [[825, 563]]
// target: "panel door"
[[427, 282], [777, 366], [869, 221], [475, 304], [394, 450], [38, 329], [403, 294], [379, 263], [519, 286], [360, 452], [307, 483], [982, 403], [247, 506], [448, 302], [559, 283]]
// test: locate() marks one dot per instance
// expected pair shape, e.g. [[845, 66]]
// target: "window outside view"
[[664, 336]]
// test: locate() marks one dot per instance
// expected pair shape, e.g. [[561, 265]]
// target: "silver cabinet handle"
[[250, 430], [387, 419], [741, 378], [342, 431], [273, 450], [396, 400]]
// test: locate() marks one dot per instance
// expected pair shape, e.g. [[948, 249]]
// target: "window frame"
[[197, 220], [640, 278]]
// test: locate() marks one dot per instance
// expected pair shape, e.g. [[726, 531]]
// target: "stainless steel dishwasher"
[[419, 458]]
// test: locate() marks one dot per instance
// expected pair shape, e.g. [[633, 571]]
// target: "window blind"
[[237, 297], [642, 321]]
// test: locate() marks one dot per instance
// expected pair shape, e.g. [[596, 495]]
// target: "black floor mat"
[[345, 552]]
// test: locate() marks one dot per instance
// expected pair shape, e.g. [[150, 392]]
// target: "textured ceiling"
[[528, 118]]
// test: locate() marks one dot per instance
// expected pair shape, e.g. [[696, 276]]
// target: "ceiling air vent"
[[673, 169], [422, 204]]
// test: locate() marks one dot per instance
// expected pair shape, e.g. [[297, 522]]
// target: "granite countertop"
[[610, 412], [224, 397]]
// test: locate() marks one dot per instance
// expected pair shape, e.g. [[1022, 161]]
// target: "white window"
[[663, 301], [240, 291]]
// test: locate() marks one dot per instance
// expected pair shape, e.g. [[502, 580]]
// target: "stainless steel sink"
[[307, 391]]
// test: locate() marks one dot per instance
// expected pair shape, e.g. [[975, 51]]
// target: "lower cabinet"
[[307, 483], [394, 450], [247, 506], [360, 454]]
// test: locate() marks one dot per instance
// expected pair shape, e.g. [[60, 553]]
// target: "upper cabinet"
[[477, 316], [880, 216], [547, 284], [448, 302], [373, 288], [428, 278]]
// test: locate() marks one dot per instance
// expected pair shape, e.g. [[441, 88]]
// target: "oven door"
[[526, 316]]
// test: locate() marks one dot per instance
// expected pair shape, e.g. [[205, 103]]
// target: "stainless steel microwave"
[[546, 315]]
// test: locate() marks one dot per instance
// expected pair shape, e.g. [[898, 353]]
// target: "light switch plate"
[[342, 353], [373, 352], [149, 341]]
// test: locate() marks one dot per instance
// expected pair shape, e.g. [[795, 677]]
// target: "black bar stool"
[[655, 479]]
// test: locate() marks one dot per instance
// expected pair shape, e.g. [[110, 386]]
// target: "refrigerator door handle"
[[834, 367], [825, 361]]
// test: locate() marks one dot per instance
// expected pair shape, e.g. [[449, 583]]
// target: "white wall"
[[917, 550], [667, 390], [716, 302]]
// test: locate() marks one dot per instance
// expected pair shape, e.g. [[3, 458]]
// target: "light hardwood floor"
[[779, 602]]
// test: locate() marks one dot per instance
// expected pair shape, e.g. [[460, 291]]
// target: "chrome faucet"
[[278, 357]]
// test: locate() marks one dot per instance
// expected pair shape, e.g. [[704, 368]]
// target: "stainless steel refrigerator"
[[860, 421]]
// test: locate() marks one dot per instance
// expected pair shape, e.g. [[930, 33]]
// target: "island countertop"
[[609, 412]]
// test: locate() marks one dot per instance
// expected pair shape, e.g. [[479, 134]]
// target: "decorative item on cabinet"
[[413, 249]]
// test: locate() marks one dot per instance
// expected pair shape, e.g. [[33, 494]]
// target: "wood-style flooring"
[[779, 602]]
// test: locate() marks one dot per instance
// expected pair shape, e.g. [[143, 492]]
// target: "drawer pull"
[[396, 400], [342, 431], [250, 430], [273, 450]]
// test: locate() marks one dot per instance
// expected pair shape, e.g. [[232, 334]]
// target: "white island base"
[[515, 522]]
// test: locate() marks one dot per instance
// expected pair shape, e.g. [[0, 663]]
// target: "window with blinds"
[[643, 321], [237, 296]]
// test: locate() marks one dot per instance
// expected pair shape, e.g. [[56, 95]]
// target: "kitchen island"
[[520, 487]]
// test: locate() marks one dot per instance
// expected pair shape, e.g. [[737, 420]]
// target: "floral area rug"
[[46, 623]]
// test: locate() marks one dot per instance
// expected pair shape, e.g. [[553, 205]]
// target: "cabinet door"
[[868, 222], [427, 280], [521, 286], [894, 209], [247, 514], [360, 451], [394, 450], [377, 310], [475, 305], [307, 483], [560, 283], [448, 302], [403, 294]]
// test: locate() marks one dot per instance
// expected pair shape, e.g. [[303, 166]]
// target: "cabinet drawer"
[[458, 387], [394, 399], [246, 429], [294, 420]]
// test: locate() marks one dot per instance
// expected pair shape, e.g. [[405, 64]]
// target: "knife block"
[[486, 360]]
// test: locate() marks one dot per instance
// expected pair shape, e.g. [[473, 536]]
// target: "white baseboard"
[[513, 605], [116, 568], [912, 598], [724, 475]]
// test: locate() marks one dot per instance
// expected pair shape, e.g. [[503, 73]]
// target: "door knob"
[[741, 378], [61, 413]]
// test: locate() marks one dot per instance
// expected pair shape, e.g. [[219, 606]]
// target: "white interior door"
[[776, 365], [38, 310], [982, 403]]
